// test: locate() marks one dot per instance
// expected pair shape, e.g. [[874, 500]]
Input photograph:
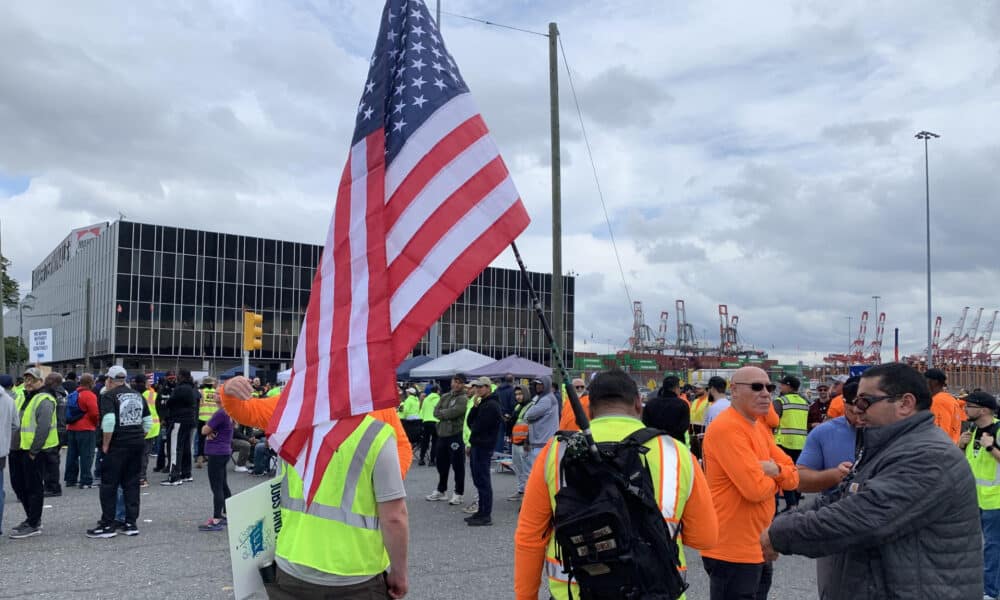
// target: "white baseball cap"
[[117, 372]]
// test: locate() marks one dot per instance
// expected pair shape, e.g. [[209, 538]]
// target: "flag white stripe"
[[310, 464], [436, 192], [462, 234], [359, 375], [445, 119]]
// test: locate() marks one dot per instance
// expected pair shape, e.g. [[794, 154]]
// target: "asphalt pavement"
[[172, 559]]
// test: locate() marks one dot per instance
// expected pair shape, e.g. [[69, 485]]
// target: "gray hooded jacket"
[[905, 527], [542, 416]]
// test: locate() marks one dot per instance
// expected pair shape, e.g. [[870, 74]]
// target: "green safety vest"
[[154, 431], [411, 409], [794, 425], [29, 424], [19, 396], [672, 479], [339, 532], [427, 408], [275, 391], [466, 430], [986, 470], [209, 404]]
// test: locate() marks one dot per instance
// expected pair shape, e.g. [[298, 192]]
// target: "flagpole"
[[557, 280], [581, 415]]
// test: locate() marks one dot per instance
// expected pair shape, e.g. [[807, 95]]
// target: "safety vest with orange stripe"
[[671, 468]]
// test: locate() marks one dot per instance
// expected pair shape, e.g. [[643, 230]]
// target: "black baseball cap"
[[791, 380], [982, 399], [936, 375]]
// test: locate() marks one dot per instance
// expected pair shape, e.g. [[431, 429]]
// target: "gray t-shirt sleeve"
[[386, 479]]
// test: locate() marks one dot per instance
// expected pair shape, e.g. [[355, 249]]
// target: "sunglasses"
[[758, 386], [864, 402], [579, 387]]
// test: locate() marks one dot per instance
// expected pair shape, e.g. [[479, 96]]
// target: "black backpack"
[[610, 534]]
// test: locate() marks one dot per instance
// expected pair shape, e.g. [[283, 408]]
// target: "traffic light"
[[253, 331]]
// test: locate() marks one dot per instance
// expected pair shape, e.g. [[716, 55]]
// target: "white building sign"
[[40, 345]]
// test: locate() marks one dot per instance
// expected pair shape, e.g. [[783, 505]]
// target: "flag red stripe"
[[337, 379], [444, 218], [382, 374], [430, 165], [458, 276]]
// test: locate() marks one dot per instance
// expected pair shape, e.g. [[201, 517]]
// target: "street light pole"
[[876, 298], [925, 136]]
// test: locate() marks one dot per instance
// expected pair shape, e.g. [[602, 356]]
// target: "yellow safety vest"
[[29, 425], [671, 468], [986, 470], [794, 425], [698, 410], [339, 532], [427, 408], [275, 391], [208, 405], [411, 409], [150, 396]]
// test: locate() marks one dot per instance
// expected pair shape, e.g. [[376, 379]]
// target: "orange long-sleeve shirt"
[[836, 408], [568, 420], [742, 494], [946, 414], [772, 419], [256, 412], [534, 524]]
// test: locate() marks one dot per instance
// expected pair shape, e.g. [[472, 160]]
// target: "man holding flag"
[[425, 203]]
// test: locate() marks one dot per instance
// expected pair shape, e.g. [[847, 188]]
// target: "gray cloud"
[[879, 133]]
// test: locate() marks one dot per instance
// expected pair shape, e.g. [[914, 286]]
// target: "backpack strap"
[[643, 435]]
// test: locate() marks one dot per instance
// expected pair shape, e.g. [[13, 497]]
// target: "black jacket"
[[485, 421], [668, 412], [183, 404], [905, 527], [164, 390]]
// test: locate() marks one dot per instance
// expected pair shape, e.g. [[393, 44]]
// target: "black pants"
[[738, 581], [413, 428], [791, 496], [147, 448], [163, 456], [51, 459], [199, 439], [121, 468], [180, 450], [79, 457], [451, 454], [480, 463], [428, 440], [27, 477], [220, 487]]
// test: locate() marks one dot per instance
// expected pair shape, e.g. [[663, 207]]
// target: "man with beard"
[[485, 420]]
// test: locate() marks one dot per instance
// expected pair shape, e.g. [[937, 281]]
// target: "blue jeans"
[[991, 551], [261, 458], [80, 447], [480, 461]]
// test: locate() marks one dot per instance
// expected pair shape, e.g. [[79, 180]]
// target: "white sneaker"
[[471, 509], [456, 499], [239, 469], [437, 496]]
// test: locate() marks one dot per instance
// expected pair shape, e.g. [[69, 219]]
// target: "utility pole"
[[876, 299], [557, 282], [926, 135], [86, 328], [3, 340]]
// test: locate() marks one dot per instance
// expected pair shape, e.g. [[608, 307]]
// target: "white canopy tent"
[[284, 376], [448, 365]]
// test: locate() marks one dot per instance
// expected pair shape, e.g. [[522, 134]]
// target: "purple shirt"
[[222, 443]]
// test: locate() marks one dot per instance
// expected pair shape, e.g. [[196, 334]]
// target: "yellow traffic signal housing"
[[253, 331]]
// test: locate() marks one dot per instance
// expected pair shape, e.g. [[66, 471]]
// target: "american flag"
[[425, 204]]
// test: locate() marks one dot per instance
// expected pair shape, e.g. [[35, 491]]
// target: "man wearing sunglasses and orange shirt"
[[904, 522], [745, 469]]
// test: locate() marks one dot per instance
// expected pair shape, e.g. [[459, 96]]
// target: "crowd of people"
[[110, 427], [903, 479]]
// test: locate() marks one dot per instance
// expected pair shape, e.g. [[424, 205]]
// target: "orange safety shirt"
[[742, 494], [568, 420], [256, 412], [534, 526], [836, 408], [946, 414]]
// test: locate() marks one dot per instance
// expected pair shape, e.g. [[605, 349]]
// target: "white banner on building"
[[40, 345]]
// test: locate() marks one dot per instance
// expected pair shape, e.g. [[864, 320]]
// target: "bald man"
[[745, 469]]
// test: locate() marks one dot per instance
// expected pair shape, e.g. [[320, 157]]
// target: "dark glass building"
[[167, 297]]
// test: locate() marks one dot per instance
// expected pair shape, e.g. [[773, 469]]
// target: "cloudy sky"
[[755, 154]]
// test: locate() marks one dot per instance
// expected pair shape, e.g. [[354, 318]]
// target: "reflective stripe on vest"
[[986, 470], [794, 425], [344, 509], [671, 468], [29, 424], [154, 431]]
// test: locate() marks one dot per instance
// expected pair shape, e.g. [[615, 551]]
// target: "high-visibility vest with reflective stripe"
[[19, 396], [150, 396], [670, 467], [208, 405], [339, 532], [794, 425], [411, 409], [29, 424], [986, 470], [427, 407]]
